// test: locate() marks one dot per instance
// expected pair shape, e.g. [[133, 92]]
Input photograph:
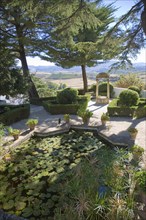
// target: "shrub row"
[[137, 111], [54, 108], [39, 101], [15, 114]]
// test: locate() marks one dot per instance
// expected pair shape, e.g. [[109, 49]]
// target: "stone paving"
[[116, 129]]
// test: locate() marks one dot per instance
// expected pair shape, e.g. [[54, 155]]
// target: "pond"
[[70, 176]]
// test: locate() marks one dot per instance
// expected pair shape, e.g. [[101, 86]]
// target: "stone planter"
[[86, 121], [103, 122], [133, 135]]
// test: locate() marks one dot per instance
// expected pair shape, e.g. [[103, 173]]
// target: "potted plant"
[[133, 133], [66, 118], [85, 115], [137, 152], [31, 123], [14, 132], [104, 118]]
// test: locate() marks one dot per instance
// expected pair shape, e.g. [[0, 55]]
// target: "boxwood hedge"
[[138, 111], [55, 108], [14, 113]]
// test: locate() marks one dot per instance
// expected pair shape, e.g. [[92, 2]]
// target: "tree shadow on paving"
[[33, 180]]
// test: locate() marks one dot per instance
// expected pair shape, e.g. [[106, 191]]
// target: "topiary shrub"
[[67, 96], [135, 88], [128, 98]]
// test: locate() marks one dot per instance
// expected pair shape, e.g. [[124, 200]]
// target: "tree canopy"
[[85, 47]]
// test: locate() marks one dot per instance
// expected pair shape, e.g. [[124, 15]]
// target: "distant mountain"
[[137, 67]]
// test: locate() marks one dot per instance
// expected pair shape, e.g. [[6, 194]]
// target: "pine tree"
[[85, 46]]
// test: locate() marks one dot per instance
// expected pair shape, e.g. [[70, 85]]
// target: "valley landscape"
[[73, 78]]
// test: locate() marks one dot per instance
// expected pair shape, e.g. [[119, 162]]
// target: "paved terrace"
[[115, 131]]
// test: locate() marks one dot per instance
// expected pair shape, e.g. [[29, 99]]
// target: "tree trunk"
[[32, 89], [84, 75]]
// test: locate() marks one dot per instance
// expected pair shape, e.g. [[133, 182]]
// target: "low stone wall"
[[118, 90]]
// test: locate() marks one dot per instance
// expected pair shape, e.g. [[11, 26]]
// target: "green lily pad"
[[8, 205], [27, 212], [20, 205]]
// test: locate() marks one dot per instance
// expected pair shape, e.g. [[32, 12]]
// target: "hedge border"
[[16, 114], [82, 103], [138, 111], [39, 101]]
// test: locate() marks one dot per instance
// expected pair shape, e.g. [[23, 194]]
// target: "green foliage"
[[105, 117], [137, 150], [32, 122], [2, 132], [141, 179], [131, 25], [85, 114], [102, 89], [83, 47], [128, 80], [13, 131], [70, 176], [54, 108], [135, 88], [115, 110], [67, 96], [43, 89], [16, 113], [140, 112], [128, 98], [12, 81], [55, 86], [66, 117]]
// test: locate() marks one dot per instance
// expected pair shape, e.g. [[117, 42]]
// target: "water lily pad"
[[20, 205], [27, 212], [8, 205]]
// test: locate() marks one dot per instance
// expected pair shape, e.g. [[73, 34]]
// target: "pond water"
[[44, 176]]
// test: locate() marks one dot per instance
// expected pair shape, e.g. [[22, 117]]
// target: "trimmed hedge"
[[135, 88], [67, 96], [16, 113], [137, 111], [39, 101], [54, 108], [128, 98], [115, 110], [140, 112]]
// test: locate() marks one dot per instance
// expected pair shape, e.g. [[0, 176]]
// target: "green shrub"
[[115, 110], [140, 112], [55, 108], [39, 101], [128, 98], [15, 114], [135, 88], [67, 96], [141, 179]]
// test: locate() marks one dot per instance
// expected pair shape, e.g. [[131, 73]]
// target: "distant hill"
[[137, 67]]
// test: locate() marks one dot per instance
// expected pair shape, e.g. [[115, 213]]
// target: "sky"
[[123, 6]]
